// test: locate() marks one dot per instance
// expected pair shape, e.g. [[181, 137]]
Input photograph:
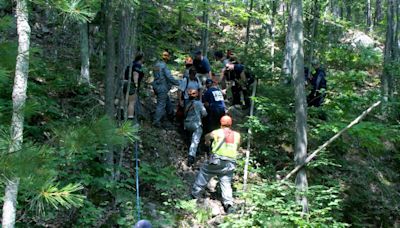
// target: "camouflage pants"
[[223, 169], [164, 106], [196, 136]]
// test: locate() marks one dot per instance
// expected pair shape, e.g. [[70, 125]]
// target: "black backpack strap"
[[188, 109]]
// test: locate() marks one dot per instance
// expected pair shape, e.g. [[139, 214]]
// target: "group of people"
[[201, 101]]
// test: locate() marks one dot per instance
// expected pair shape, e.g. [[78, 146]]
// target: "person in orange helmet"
[[222, 162]]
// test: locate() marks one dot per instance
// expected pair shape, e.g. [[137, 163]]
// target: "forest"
[[72, 154]]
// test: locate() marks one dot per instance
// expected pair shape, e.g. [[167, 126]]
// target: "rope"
[[137, 181]]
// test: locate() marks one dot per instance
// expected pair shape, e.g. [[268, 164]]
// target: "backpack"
[[250, 78]]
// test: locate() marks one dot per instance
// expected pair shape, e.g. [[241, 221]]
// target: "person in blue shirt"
[[213, 100], [203, 67]]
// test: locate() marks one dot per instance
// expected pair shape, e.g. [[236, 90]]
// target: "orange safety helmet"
[[226, 121], [188, 61]]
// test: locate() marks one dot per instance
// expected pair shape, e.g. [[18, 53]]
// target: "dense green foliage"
[[65, 180]]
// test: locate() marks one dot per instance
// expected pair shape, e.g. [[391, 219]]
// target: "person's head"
[[193, 94], [315, 63], [218, 55], [143, 224], [209, 83], [233, 59], [165, 55], [230, 66], [188, 62], [139, 58], [198, 55], [226, 121], [192, 73], [229, 54]]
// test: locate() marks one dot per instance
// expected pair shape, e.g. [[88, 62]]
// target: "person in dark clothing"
[[137, 77], [203, 67], [318, 83], [215, 105], [236, 76]]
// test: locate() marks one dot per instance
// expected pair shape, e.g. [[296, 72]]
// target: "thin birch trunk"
[[18, 98], [179, 26], [85, 76], [368, 14], [205, 33], [300, 101], [250, 133], [313, 154], [287, 61], [273, 35], [248, 29], [10, 203], [313, 35]]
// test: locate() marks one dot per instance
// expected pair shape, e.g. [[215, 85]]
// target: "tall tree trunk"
[[110, 74], [386, 78], [287, 61], [18, 98], [313, 35], [85, 76], [368, 15], [378, 12], [274, 8], [124, 57], [300, 100], [396, 54], [10, 203], [110, 60], [206, 24], [334, 8], [179, 26], [248, 29], [348, 10]]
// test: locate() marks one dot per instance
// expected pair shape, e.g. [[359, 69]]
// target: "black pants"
[[236, 89], [315, 98], [213, 118]]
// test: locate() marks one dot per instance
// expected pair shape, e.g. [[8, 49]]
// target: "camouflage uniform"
[[162, 83]]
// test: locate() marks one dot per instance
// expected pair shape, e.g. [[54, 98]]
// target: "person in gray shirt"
[[194, 111], [162, 83]]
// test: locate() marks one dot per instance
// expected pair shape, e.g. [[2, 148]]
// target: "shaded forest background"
[[74, 166]]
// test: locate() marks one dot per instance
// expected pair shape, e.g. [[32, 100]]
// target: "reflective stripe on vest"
[[231, 144]]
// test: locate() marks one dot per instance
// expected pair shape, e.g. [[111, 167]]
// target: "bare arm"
[[136, 78], [208, 137]]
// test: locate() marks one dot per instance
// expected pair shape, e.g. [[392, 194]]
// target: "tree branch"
[[313, 154]]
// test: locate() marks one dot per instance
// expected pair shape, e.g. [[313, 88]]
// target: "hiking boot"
[[229, 209], [190, 160]]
